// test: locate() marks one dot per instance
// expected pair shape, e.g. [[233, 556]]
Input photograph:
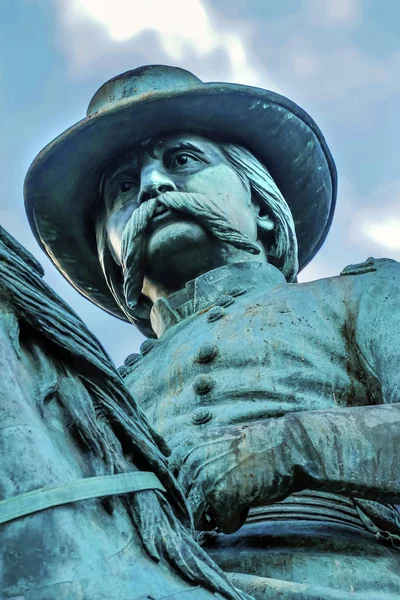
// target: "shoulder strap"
[[74, 491], [360, 268]]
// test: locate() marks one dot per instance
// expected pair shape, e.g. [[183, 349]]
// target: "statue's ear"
[[265, 223]]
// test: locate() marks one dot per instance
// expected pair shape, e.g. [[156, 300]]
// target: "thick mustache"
[[210, 215], [202, 208], [205, 209]]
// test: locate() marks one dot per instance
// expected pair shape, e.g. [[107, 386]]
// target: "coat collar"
[[211, 289]]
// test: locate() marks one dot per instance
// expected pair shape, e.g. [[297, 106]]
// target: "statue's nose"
[[154, 181]]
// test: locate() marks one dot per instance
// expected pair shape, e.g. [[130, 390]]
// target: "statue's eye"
[[125, 186], [182, 158]]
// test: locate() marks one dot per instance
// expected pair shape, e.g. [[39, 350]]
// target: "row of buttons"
[[215, 313], [132, 359], [204, 383]]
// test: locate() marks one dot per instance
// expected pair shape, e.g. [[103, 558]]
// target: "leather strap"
[[74, 491]]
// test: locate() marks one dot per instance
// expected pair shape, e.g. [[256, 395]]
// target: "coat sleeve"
[[377, 333], [356, 450]]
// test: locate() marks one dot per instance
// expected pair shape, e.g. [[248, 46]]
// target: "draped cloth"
[[94, 428]]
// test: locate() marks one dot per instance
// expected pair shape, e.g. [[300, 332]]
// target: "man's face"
[[178, 163]]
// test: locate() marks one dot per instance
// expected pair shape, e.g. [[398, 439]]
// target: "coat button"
[[207, 353], [203, 384], [147, 346], [131, 359], [123, 371], [215, 313], [224, 300], [201, 416]]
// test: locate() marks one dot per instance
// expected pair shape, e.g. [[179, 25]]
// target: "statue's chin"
[[175, 234], [179, 251]]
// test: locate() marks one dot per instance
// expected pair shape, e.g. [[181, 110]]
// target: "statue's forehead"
[[180, 136], [156, 146]]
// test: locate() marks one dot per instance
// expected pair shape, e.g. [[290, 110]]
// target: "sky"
[[338, 59]]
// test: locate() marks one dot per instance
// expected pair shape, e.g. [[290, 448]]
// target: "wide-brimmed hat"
[[62, 184]]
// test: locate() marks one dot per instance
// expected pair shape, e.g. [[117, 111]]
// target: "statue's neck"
[[208, 289], [175, 275]]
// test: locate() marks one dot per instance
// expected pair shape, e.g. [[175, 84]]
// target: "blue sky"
[[338, 59]]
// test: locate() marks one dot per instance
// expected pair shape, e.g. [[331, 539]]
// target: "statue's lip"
[[162, 215], [161, 209]]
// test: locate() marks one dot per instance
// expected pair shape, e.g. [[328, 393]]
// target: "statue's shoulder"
[[376, 287], [355, 279], [381, 266]]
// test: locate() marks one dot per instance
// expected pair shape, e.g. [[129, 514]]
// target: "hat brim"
[[62, 184]]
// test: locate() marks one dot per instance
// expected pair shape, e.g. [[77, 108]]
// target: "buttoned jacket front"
[[252, 347], [240, 345]]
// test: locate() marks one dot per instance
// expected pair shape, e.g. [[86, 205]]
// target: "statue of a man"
[[188, 209]]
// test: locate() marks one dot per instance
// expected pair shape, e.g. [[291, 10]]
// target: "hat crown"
[[144, 80]]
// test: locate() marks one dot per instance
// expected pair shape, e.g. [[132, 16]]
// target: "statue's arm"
[[357, 450], [350, 451], [354, 451]]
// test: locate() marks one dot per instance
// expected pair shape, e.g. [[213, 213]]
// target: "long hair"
[[281, 244]]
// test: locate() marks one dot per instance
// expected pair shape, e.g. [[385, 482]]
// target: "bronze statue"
[[88, 506], [188, 209]]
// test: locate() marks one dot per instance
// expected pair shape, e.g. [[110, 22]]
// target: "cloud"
[[312, 58], [385, 233], [380, 222], [350, 71], [319, 56], [304, 64], [363, 226], [334, 13], [92, 30], [346, 81], [361, 219]]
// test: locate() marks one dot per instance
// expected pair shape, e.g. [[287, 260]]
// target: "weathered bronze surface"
[[193, 207], [66, 418]]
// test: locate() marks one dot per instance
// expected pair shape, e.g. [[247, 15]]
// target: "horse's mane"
[[107, 421]]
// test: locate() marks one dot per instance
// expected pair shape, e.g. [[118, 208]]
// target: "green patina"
[[193, 207]]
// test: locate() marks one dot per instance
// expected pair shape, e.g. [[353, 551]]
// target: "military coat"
[[240, 345]]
